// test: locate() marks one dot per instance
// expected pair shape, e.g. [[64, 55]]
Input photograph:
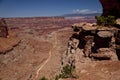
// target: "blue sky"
[[34, 8]]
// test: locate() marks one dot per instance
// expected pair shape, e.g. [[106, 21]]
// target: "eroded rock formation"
[[111, 7], [7, 42], [96, 42], [91, 42], [3, 28]]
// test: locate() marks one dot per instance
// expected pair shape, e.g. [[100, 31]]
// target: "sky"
[[37, 8]]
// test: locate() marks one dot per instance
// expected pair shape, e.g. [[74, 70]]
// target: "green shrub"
[[57, 77], [67, 72], [105, 21], [43, 78], [111, 20], [100, 20]]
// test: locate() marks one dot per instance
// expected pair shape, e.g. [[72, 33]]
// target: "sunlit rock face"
[[111, 7]]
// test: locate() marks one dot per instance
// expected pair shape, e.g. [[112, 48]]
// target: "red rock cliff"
[[3, 28], [111, 7]]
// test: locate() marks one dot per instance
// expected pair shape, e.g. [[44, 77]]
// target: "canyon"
[[30, 43], [36, 47], [43, 47]]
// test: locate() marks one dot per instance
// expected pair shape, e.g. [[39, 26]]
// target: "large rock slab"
[[105, 34]]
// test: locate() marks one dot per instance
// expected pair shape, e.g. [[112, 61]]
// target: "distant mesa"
[[79, 14], [111, 7]]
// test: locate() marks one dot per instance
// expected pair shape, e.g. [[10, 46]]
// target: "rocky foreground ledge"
[[93, 43], [91, 49], [97, 42]]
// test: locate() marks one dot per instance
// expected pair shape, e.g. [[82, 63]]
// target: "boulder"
[[118, 21], [101, 56], [89, 28], [79, 24], [105, 34]]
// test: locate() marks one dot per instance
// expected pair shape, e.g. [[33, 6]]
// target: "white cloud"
[[85, 11]]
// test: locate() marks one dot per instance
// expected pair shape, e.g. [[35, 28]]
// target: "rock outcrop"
[[111, 7], [90, 42], [118, 21], [7, 42], [3, 28], [97, 42], [69, 57]]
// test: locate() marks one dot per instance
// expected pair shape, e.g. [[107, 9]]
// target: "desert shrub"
[[57, 77], [100, 20], [43, 78], [105, 21], [111, 20], [67, 72]]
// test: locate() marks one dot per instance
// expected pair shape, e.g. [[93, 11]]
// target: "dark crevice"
[[118, 53]]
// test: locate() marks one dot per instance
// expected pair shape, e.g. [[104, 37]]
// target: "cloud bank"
[[86, 11]]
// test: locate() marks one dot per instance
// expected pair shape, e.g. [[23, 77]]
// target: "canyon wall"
[[3, 28], [111, 7]]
